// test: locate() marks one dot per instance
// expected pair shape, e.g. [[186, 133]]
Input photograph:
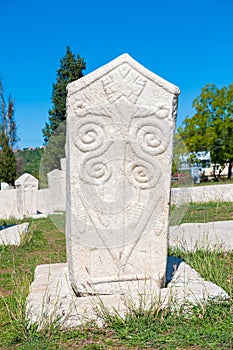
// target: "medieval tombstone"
[[120, 124], [56, 185], [27, 191], [4, 186]]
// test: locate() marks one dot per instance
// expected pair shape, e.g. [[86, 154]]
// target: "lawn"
[[207, 327], [201, 212]]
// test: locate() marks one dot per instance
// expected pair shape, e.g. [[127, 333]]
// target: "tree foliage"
[[179, 150], [54, 133], [71, 68], [28, 161], [211, 127], [8, 122], [8, 138], [53, 153], [7, 161]]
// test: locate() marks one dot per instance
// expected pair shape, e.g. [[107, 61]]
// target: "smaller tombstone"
[[56, 182], [4, 186], [27, 192], [195, 174]]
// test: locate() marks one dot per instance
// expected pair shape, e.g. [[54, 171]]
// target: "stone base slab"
[[52, 299], [13, 234], [210, 235]]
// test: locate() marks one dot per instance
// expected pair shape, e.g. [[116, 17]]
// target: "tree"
[[179, 151], [8, 118], [7, 161], [211, 127], [8, 138], [71, 68]]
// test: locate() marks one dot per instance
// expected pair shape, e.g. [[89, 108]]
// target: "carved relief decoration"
[[120, 172]]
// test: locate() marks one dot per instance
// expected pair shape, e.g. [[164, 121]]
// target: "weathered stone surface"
[[8, 204], [215, 193], [63, 164], [56, 182], [210, 235], [4, 186], [45, 202], [52, 299], [188, 287], [120, 123], [12, 235], [27, 192]]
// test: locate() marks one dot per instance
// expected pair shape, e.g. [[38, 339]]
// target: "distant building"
[[196, 160]]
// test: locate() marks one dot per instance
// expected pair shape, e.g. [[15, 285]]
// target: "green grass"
[[44, 244], [201, 212], [189, 183], [208, 327]]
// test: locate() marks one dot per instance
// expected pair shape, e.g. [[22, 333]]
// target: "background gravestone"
[[27, 192], [4, 186], [56, 182], [120, 124]]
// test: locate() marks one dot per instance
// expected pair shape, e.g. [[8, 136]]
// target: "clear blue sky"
[[189, 43]]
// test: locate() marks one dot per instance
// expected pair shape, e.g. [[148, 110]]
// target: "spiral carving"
[[90, 137], [96, 172], [152, 139], [142, 175]]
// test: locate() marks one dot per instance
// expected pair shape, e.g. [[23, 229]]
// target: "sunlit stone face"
[[120, 123]]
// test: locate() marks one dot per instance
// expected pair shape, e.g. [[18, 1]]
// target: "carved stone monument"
[[57, 184], [27, 192], [120, 124]]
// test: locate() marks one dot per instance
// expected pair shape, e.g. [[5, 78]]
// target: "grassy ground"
[[208, 327], [201, 212], [188, 182]]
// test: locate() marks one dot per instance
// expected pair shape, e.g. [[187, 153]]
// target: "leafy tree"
[[71, 68], [7, 161], [179, 150], [211, 127], [28, 161], [8, 118]]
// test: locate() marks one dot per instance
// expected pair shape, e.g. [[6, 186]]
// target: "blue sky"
[[189, 43]]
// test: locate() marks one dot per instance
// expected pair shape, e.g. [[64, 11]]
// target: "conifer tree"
[[8, 138], [54, 132], [71, 68], [7, 161], [8, 122]]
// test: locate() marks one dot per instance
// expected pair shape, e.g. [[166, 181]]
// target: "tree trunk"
[[230, 169]]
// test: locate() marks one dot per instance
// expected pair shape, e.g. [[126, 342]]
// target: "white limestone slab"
[[45, 203], [4, 186], [120, 123], [202, 194], [213, 235], [56, 182], [27, 192], [12, 235], [189, 288], [63, 164], [52, 299]]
